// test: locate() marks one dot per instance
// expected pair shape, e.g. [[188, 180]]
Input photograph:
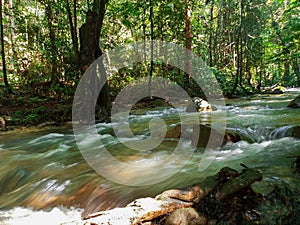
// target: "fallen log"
[[172, 206]]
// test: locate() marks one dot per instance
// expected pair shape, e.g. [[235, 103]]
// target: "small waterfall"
[[250, 135], [281, 132]]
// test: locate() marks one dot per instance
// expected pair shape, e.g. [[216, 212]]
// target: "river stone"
[[296, 132], [206, 137], [295, 103], [174, 132], [199, 105], [185, 216]]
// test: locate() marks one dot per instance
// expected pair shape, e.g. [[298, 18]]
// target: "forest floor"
[[26, 111], [21, 112]]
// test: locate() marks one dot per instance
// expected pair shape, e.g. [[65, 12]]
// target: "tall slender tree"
[[188, 42], [73, 26], [3, 48]]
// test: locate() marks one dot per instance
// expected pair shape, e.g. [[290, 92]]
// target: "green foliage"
[[265, 34]]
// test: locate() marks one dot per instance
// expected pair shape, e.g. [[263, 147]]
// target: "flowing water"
[[44, 177]]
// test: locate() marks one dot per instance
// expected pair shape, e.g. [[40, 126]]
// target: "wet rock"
[[185, 216], [2, 123], [296, 164], [205, 136], [224, 197], [280, 206], [296, 132], [179, 131], [199, 105], [286, 131], [295, 103], [174, 132]]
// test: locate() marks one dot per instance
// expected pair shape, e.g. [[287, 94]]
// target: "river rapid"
[[44, 177]]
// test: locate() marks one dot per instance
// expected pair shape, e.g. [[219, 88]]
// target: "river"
[[44, 177]]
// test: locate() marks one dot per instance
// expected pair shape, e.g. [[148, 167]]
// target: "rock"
[[174, 132], [296, 164], [206, 137], [214, 197], [179, 131], [185, 216], [286, 131], [2, 123], [199, 105], [296, 132], [140, 211], [295, 103]]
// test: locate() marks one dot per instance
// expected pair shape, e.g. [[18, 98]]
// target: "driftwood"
[[194, 205]]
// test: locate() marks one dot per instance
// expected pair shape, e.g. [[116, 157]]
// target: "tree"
[[52, 36], [89, 34], [3, 49], [188, 42], [73, 26]]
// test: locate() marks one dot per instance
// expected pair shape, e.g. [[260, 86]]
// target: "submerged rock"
[[295, 103]]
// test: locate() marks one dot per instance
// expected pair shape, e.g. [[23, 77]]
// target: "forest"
[[45, 47], [207, 134]]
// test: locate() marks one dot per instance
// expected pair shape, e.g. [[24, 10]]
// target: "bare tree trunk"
[[210, 43], [188, 43], [52, 36], [296, 68], [239, 51], [286, 74], [3, 49], [73, 27], [151, 54], [12, 35]]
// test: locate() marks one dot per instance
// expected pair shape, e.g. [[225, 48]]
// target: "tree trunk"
[[3, 49], [188, 43], [89, 34], [286, 74], [237, 70], [296, 68], [151, 54], [12, 35], [210, 43], [73, 27], [52, 36]]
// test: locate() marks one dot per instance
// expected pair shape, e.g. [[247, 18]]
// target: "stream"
[[44, 177]]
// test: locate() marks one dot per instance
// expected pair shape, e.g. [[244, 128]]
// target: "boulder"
[[296, 132], [2, 123], [205, 136], [286, 131], [174, 132], [179, 131], [295, 103], [199, 105], [185, 216], [221, 196]]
